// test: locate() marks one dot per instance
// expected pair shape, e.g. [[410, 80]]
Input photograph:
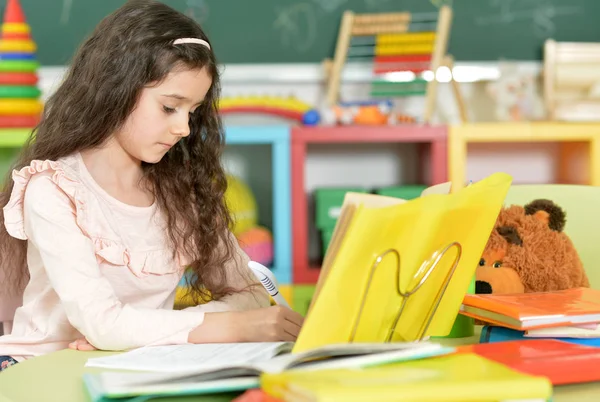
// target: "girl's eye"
[[168, 110], [481, 262], [497, 264]]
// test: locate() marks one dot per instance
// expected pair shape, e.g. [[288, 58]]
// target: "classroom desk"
[[57, 378]]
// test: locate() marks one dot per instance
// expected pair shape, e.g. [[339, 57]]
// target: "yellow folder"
[[377, 283], [454, 378]]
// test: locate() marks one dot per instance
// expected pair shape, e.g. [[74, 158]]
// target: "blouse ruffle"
[[158, 261]]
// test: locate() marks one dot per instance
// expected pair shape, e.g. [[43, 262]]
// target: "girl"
[[120, 190]]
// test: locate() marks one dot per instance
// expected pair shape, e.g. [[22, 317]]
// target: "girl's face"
[[161, 116]]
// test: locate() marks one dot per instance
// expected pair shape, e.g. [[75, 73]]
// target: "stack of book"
[[571, 315]]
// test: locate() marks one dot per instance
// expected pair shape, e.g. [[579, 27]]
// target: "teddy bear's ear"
[[510, 234], [548, 212]]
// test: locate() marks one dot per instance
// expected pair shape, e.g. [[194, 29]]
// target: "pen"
[[267, 279]]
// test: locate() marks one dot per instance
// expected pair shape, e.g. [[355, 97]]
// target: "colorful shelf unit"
[[578, 141], [432, 137], [279, 139]]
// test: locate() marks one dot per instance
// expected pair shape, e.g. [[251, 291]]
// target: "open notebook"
[[210, 368]]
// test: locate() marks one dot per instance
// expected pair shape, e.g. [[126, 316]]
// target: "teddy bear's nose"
[[482, 287]]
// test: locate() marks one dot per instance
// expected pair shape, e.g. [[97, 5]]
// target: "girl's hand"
[[81, 344], [269, 324]]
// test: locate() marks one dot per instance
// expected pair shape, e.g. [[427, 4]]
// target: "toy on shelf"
[[515, 95], [257, 243], [255, 240], [290, 107], [407, 50], [364, 113], [572, 80], [328, 206], [20, 106]]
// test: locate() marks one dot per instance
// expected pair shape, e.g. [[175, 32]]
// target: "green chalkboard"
[[299, 31]]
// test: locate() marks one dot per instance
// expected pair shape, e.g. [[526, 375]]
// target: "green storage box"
[[326, 235], [407, 192], [328, 205]]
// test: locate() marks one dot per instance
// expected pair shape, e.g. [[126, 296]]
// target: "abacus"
[[413, 45]]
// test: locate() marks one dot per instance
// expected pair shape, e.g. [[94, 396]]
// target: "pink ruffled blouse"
[[98, 267]]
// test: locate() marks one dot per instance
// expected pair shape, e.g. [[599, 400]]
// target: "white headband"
[[192, 40]]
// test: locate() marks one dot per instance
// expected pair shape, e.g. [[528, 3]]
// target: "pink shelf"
[[433, 139]]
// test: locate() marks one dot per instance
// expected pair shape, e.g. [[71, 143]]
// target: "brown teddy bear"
[[528, 252]]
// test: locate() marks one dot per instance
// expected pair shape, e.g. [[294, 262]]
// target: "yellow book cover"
[[358, 297], [454, 378]]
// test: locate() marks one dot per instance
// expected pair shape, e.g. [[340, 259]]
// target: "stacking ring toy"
[[18, 65], [15, 91], [18, 78], [15, 28], [20, 106], [19, 121], [15, 36], [25, 46], [17, 56]]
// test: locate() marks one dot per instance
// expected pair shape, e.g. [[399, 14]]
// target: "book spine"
[[491, 334]]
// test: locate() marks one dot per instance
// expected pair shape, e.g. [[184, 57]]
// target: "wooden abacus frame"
[[373, 24]]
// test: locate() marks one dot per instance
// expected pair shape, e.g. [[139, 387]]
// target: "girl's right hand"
[[269, 324]]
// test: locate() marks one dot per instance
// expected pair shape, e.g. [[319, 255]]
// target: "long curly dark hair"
[[129, 49]]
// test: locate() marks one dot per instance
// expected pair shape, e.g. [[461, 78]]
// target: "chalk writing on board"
[[376, 3], [330, 5], [297, 26], [542, 13], [65, 14], [440, 3], [197, 10]]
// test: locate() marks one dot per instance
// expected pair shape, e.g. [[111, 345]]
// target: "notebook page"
[[174, 358], [565, 332], [353, 355]]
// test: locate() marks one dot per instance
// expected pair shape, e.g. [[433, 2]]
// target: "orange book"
[[525, 311], [561, 362]]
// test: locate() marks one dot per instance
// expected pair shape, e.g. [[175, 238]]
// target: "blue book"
[[499, 334]]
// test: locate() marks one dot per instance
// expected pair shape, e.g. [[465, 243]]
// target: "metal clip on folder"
[[418, 280]]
